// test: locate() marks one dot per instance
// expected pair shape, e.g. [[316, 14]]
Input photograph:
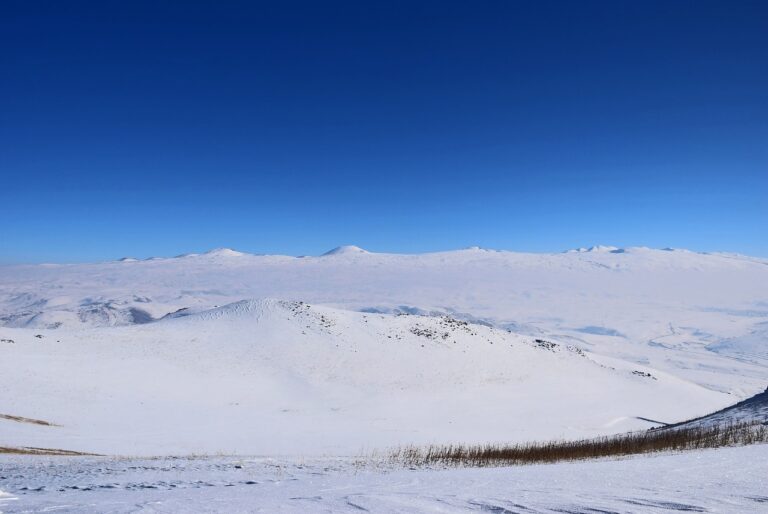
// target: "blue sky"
[[157, 128]]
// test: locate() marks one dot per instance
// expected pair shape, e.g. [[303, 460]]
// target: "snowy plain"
[[312, 362], [726, 480]]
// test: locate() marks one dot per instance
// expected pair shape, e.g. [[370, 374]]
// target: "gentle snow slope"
[[276, 377]]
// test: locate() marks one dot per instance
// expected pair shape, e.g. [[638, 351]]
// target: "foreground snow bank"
[[723, 480]]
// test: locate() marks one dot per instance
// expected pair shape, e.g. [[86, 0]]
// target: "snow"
[[752, 410], [214, 352], [223, 252], [282, 377], [729, 480], [599, 249], [345, 250]]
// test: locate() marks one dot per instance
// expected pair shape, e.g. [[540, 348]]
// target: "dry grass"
[[28, 450], [633, 443], [32, 421]]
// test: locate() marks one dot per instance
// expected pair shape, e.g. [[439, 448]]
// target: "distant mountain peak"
[[598, 249], [346, 250], [224, 252], [479, 249], [604, 248]]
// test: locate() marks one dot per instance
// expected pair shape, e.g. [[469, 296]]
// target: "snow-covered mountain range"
[[354, 349]]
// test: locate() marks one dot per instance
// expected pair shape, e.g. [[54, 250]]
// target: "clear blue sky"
[[156, 128]]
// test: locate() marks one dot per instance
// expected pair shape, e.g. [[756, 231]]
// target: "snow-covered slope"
[[665, 335], [701, 316], [271, 376], [752, 410], [345, 250]]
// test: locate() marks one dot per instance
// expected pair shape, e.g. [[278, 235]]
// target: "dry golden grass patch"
[[28, 450], [633, 443], [31, 421]]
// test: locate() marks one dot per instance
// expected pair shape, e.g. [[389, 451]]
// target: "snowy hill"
[[624, 334], [271, 376], [752, 410], [703, 316], [346, 250]]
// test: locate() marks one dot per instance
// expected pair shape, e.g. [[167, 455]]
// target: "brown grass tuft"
[[32, 421], [29, 450]]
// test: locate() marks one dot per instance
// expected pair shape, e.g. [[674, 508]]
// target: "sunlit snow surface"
[[215, 352], [731, 480]]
